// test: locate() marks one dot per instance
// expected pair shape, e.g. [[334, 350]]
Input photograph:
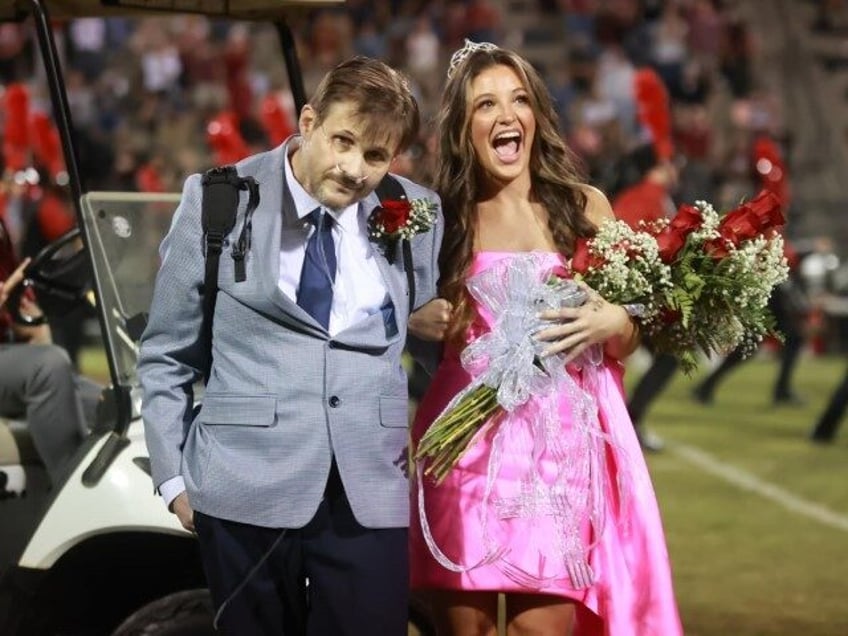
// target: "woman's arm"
[[626, 341]]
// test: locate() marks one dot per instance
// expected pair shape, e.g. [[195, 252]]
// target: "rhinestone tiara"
[[462, 54]]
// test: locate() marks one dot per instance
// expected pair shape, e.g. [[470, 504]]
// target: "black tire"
[[186, 613], [419, 618], [190, 613]]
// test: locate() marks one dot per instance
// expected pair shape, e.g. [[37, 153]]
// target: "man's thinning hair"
[[380, 95]]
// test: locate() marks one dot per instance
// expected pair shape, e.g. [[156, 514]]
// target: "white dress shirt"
[[358, 291]]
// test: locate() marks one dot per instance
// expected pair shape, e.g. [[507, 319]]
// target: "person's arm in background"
[[25, 334], [15, 278]]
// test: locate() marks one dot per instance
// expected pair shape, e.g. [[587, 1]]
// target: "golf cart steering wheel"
[[62, 281]]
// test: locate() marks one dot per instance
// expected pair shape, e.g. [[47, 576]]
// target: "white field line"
[[746, 481]]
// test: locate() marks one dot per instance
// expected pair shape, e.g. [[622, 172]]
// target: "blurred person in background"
[[649, 199], [50, 216], [827, 425], [828, 422], [37, 379], [788, 302]]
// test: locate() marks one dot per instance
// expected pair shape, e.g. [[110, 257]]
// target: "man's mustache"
[[348, 180]]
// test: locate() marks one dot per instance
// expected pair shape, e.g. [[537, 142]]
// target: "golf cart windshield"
[[124, 230]]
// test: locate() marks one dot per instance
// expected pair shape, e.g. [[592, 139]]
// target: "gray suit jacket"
[[283, 396]]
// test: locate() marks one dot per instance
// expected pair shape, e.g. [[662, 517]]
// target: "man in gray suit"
[[294, 468]]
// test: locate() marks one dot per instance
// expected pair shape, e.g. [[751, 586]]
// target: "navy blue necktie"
[[315, 294]]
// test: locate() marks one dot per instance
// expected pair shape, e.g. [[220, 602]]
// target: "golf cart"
[[98, 553]]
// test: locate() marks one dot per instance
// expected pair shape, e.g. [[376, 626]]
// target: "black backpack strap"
[[243, 243], [390, 188], [219, 210]]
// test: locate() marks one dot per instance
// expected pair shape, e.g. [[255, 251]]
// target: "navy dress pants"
[[333, 577]]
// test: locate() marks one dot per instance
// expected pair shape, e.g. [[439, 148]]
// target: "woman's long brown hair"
[[555, 180]]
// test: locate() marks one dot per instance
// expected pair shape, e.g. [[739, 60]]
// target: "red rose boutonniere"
[[400, 219]]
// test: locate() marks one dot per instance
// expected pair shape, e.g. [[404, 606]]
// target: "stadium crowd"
[[155, 99]]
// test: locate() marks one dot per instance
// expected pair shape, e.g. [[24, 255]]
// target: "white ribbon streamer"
[[508, 359]]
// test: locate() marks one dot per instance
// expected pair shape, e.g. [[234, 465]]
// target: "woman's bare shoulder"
[[598, 208]]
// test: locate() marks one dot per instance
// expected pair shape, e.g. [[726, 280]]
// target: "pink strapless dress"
[[482, 526]]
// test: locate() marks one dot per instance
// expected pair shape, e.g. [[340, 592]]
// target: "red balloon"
[[16, 129], [46, 145], [275, 120], [222, 134], [653, 109]]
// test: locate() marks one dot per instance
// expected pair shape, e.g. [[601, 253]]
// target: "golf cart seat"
[[16, 452], [16, 445]]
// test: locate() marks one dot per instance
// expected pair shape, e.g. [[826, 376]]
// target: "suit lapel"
[[391, 273], [274, 222]]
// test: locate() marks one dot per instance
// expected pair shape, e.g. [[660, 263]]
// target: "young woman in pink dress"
[[561, 517]]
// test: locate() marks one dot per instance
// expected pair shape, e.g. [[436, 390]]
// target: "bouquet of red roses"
[[699, 284], [704, 280]]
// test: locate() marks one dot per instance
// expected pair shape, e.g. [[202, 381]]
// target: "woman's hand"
[[8, 286], [597, 321]]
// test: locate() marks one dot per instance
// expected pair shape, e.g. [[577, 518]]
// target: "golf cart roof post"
[[43, 11]]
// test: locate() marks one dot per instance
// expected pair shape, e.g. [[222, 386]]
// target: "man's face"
[[338, 163]]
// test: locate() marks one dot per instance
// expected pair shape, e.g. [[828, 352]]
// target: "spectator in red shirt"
[[649, 199]]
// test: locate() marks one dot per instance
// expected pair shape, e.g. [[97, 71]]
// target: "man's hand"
[[430, 322], [182, 508], [8, 285], [32, 334]]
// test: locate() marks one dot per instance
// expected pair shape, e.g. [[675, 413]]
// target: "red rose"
[[670, 243], [393, 215], [766, 207], [687, 220], [581, 259], [716, 249], [670, 316], [739, 225], [558, 271]]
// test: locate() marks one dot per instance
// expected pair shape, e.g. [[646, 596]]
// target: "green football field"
[[756, 516]]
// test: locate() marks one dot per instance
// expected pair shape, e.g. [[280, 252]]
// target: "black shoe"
[[818, 438], [702, 394], [789, 399]]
